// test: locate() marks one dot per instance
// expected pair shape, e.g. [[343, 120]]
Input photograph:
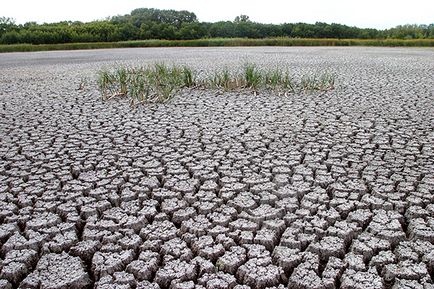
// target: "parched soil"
[[218, 190]]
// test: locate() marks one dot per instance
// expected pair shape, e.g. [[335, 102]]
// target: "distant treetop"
[[171, 17], [242, 18]]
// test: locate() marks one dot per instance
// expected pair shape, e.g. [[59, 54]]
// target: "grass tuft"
[[252, 76], [121, 78], [106, 83], [273, 78], [159, 82], [222, 79], [188, 77]]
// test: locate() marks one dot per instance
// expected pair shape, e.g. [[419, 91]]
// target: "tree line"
[[144, 23]]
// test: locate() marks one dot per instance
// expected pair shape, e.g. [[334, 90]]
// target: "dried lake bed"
[[218, 189]]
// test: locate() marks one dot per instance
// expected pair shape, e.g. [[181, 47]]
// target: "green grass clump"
[[154, 83], [121, 77], [189, 77], [288, 83], [106, 83], [274, 78], [223, 79], [138, 88], [253, 77], [159, 82]]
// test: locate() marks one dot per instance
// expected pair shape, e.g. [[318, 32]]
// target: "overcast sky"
[[361, 13]]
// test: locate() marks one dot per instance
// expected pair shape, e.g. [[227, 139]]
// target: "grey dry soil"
[[218, 190]]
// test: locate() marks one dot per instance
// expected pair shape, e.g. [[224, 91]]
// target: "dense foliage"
[[144, 23]]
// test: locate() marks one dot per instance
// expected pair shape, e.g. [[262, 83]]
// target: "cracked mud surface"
[[218, 190]]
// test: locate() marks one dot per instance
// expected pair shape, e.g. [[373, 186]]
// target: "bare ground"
[[218, 190]]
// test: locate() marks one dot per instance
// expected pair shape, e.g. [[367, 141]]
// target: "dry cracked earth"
[[218, 190]]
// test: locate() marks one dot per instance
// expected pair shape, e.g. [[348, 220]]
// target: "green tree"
[[6, 24], [242, 18], [171, 17]]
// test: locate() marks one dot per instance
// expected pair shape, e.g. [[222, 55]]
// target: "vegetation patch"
[[216, 42], [145, 24], [160, 82]]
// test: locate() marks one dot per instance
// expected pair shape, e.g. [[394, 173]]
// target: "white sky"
[[361, 13]]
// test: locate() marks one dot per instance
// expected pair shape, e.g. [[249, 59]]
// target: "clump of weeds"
[[253, 77], [160, 82], [223, 79]]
